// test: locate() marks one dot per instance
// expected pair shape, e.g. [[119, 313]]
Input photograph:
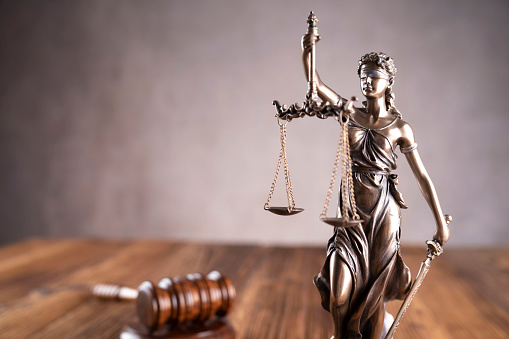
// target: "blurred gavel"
[[176, 301]]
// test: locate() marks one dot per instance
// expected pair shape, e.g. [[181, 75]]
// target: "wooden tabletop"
[[44, 292]]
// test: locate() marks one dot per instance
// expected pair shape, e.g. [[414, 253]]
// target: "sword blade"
[[434, 250], [423, 270]]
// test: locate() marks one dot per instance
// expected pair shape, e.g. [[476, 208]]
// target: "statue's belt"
[[392, 178]]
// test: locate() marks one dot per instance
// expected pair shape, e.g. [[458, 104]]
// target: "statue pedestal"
[[217, 328]]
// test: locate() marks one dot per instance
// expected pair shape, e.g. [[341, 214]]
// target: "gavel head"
[[182, 300]]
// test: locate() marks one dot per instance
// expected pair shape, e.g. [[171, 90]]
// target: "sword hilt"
[[434, 249]]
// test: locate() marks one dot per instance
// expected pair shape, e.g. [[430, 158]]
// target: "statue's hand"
[[348, 108], [308, 40], [443, 232]]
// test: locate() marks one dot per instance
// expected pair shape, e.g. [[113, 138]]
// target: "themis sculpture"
[[364, 268]]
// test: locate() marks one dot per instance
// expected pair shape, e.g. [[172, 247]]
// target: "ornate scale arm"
[[311, 108]]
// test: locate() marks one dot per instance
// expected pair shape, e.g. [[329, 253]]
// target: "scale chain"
[[349, 172], [347, 188], [333, 178], [288, 181], [271, 192], [273, 186], [344, 163]]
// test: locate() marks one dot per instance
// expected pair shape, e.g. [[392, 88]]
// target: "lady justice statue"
[[364, 269]]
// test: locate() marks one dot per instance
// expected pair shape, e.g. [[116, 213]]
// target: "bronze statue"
[[364, 268]]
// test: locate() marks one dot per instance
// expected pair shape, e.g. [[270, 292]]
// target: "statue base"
[[217, 328]]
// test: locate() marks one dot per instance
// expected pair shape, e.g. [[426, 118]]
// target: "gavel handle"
[[113, 292]]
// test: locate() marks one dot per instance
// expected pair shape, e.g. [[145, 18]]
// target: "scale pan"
[[284, 210], [341, 222]]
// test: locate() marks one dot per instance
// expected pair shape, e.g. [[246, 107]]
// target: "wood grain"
[[44, 285]]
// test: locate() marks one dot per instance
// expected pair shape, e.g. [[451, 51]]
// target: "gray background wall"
[[154, 118]]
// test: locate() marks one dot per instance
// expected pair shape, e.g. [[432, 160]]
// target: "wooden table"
[[44, 284]]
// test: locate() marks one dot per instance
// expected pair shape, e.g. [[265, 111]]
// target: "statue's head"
[[384, 65], [384, 62]]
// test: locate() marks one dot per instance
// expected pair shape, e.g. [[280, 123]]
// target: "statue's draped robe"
[[372, 249]]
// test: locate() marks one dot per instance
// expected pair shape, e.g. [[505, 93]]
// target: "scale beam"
[[321, 110]]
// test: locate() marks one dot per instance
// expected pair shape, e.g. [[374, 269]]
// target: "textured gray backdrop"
[[154, 118]]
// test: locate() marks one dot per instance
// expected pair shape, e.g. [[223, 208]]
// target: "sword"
[[434, 250]]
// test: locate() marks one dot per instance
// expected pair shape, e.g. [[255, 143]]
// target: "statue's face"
[[374, 81]]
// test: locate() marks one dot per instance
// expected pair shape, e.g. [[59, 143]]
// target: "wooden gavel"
[[176, 301]]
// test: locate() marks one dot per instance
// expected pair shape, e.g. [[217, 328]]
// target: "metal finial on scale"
[[312, 19], [312, 30]]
